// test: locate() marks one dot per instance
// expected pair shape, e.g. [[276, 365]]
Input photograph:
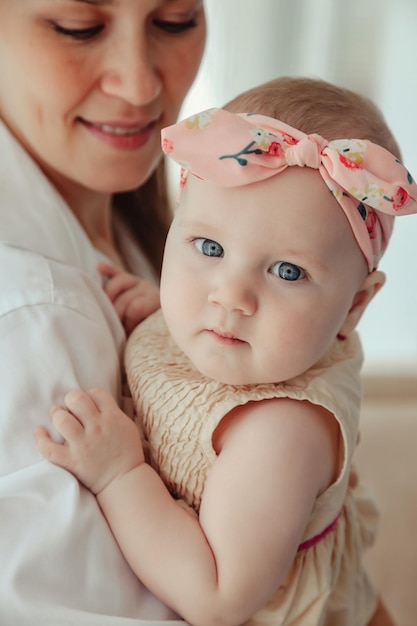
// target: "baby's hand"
[[101, 442], [134, 298]]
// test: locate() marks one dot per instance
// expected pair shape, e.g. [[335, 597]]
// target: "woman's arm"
[[256, 502], [58, 557]]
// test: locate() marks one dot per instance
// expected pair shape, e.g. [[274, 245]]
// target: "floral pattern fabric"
[[229, 150]]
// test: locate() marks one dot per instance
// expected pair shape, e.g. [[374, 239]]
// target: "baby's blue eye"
[[208, 247], [287, 271]]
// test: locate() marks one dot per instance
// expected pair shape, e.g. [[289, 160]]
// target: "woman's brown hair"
[[147, 215]]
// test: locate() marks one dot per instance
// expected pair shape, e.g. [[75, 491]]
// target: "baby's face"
[[257, 281]]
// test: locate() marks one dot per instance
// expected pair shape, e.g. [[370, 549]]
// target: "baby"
[[247, 382]]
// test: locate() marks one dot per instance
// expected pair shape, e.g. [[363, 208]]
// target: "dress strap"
[[308, 543]]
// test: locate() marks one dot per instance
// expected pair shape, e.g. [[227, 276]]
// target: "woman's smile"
[[121, 135], [87, 86]]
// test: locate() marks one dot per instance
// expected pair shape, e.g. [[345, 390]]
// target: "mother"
[[85, 88]]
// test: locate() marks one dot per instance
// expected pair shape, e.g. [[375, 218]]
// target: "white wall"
[[366, 45]]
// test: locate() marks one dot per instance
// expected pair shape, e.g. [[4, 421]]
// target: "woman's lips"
[[121, 135]]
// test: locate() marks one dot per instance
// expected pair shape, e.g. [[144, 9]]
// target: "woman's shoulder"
[[33, 215], [30, 279]]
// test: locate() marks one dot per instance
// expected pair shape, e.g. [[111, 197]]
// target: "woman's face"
[[87, 85]]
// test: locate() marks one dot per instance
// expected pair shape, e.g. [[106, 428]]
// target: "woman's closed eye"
[[208, 247], [79, 34], [287, 271], [175, 28], [83, 34]]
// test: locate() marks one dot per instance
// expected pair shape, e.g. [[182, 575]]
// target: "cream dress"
[[178, 410]]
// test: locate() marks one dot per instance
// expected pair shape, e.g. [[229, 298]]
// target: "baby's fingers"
[[102, 399], [56, 453], [81, 405], [108, 270], [66, 424]]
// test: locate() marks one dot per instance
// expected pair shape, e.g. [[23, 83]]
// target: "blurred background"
[[366, 45]]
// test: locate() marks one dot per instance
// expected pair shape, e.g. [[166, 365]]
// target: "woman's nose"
[[234, 296], [130, 73]]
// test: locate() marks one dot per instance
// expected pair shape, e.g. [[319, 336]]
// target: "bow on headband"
[[231, 150]]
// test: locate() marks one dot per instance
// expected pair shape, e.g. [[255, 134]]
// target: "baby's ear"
[[370, 286]]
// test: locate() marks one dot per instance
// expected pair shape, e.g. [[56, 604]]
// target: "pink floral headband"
[[231, 150]]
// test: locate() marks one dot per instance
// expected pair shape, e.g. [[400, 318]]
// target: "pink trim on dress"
[[308, 543]]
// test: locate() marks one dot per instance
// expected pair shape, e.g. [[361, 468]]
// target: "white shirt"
[[59, 563]]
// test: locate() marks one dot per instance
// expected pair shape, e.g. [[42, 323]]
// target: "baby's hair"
[[316, 106]]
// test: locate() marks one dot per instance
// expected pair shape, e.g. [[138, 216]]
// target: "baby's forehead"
[[297, 188], [295, 205]]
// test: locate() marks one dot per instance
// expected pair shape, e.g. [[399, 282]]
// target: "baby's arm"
[[133, 297], [274, 457]]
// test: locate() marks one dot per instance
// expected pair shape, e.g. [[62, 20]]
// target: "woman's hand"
[[101, 445], [134, 298]]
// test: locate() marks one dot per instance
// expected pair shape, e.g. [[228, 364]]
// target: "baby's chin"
[[229, 368], [240, 378], [234, 378], [219, 375]]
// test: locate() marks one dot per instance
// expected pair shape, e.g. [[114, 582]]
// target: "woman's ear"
[[370, 286]]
